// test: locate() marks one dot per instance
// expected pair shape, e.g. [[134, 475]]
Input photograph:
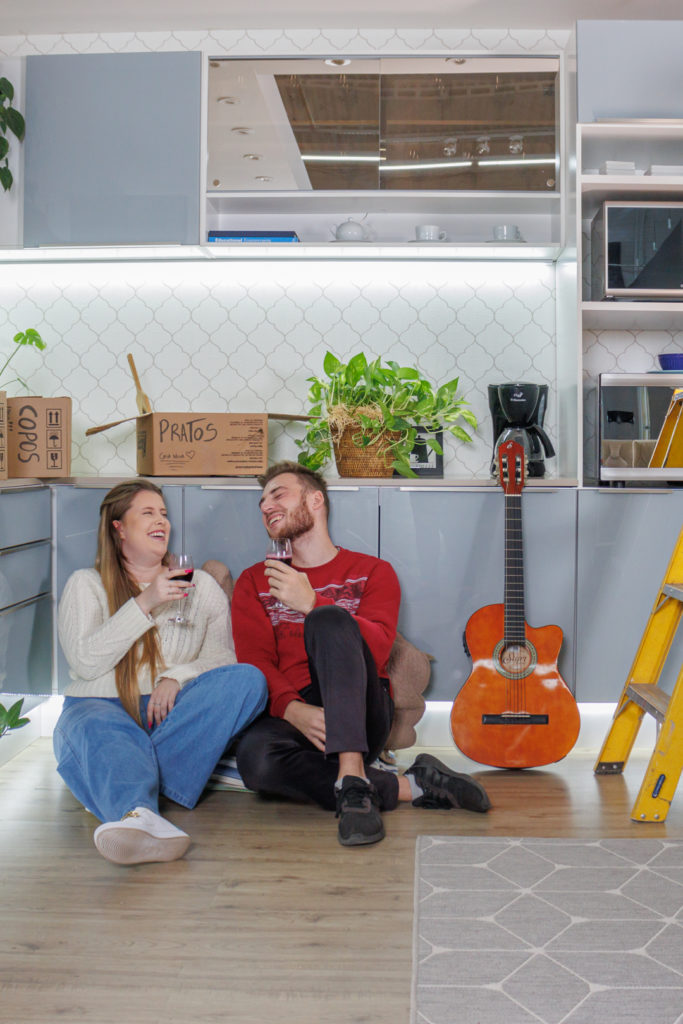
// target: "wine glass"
[[184, 565], [281, 549]]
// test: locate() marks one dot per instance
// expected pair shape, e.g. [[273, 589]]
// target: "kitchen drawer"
[[26, 662], [24, 516], [24, 573]]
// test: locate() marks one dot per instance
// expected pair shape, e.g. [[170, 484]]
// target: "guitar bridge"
[[511, 718]]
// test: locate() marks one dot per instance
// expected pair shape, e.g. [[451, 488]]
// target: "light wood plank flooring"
[[266, 919]]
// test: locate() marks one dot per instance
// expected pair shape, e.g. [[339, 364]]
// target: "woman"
[[153, 702]]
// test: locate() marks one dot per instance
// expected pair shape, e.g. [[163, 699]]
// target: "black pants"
[[273, 757]]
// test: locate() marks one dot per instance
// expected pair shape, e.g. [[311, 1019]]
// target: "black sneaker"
[[360, 822], [445, 788]]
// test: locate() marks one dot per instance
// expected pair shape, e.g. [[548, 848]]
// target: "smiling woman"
[[153, 700]]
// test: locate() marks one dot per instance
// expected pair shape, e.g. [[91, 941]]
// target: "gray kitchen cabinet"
[[25, 515], [112, 149], [77, 519], [25, 592], [447, 547], [224, 522], [625, 541]]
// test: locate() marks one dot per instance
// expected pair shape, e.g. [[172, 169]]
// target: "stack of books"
[[226, 776], [675, 170], [253, 236], [617, 167]]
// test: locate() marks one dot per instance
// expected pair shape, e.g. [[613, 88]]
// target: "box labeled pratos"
[[202, 444], [39, 436]]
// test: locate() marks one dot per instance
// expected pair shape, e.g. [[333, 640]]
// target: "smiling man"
[[321, 630]]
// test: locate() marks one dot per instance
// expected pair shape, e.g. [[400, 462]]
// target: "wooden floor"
[[267, 919]]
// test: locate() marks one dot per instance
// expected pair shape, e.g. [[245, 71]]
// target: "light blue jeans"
[[112, 765]]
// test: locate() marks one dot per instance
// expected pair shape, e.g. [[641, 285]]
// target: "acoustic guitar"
[[514, 710]]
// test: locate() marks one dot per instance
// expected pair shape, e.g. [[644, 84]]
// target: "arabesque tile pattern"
[[238, 336]]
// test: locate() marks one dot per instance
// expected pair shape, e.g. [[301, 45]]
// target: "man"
[[321, 630]]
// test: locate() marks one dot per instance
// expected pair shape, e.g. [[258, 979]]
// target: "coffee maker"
[[518, 411]]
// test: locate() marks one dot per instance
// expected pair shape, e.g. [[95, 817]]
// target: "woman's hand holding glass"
[[165, 587]]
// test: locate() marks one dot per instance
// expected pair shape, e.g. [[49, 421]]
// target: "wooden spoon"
[[106, 426], [142, 401]]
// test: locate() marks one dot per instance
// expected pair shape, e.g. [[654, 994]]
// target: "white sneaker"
[[141, 836]]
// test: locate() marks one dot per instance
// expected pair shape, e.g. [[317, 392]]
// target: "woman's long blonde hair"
[[119, 588]]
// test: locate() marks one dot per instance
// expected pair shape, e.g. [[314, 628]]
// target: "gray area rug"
[[557, 931]]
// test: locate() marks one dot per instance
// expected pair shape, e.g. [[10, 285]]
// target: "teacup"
[[506, 233], [429, 233]]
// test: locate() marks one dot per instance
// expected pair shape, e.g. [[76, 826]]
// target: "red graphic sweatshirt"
[[272, 638]]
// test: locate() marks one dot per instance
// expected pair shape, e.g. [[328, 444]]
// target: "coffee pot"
[[518, 411]]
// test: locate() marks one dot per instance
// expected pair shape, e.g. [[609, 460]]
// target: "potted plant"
[[28, 337], [367, 414], [10, 121], [10, 718]]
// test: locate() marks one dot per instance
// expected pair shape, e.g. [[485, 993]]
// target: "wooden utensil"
[[142, 401], [106, 426]]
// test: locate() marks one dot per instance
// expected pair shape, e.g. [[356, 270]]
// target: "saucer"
[[505, 241]]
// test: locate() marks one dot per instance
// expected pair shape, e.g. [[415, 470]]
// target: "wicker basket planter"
[[372, 461]]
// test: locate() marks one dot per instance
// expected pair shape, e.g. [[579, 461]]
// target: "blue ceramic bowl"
[[671, 361]]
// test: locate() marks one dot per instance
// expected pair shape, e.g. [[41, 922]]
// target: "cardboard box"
[[202, 444], [3, 435], [39, 433]]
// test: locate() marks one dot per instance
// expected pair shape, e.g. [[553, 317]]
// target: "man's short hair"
[[309, 479]]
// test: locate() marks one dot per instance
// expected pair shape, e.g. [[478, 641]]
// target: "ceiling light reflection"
[[351, 158], [417, 165], [507, 162]]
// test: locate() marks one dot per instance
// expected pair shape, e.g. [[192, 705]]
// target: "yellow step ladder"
[[641, 694]]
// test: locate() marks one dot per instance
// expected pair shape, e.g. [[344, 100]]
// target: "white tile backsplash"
[[242, 336]]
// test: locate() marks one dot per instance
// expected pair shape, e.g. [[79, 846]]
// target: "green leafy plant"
[[385, 402], [10, 718], [10, 121], [28, 337]]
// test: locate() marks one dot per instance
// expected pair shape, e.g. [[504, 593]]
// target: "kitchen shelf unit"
[[644, 143], [390, 216]]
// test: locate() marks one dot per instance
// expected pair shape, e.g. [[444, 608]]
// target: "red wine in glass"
[[184, 565], [280, 548]]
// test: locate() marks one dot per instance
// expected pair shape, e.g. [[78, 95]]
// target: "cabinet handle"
[[24, 604], [24, 487], [21, 547], [632, 490]]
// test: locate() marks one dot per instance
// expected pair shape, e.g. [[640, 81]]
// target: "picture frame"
[[423, 461]]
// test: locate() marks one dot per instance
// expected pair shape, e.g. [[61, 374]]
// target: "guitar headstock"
[[511, 466]]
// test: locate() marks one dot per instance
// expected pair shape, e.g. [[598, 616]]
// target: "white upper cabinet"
[[465, 144]]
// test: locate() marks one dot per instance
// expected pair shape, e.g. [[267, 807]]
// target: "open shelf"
[[596, 188], [388, 201], [627, 316], [341, 251]]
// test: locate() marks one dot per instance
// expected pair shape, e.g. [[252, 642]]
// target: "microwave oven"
[[632, 410], [637, 251]]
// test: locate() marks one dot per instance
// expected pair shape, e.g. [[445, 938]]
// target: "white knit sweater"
[[94, 641]]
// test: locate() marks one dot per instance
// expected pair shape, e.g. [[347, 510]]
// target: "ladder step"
[[674, 590], [651, 698]]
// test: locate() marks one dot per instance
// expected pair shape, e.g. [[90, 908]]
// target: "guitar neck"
[[514, 571]]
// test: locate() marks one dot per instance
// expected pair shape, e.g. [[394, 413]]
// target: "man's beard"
[[296, 523]]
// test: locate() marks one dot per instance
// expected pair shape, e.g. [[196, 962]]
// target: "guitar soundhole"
[[515, 661]]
